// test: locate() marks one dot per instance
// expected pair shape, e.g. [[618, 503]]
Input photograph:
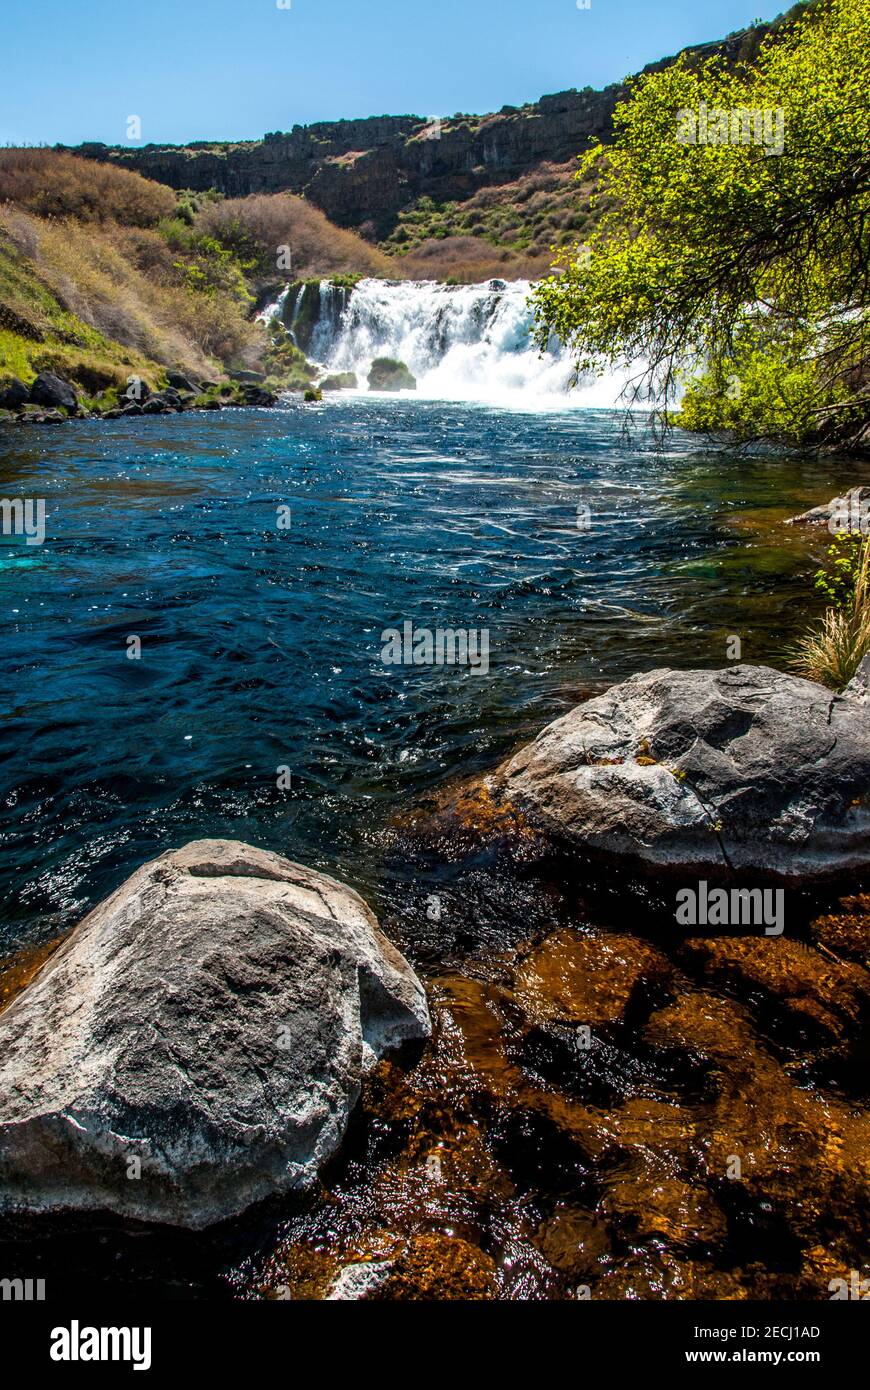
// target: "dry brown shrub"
[[264, 222], [95, 272], [51, 183]]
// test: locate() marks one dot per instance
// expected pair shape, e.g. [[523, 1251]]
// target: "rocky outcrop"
[[743, 769], [166, 402], [182, 383], [13, 393], [199, 1041], [388, 374], [52, 391]]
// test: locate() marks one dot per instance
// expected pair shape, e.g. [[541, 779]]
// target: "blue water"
[[261, 646]]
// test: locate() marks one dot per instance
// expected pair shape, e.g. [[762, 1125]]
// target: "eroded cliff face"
[[364, 171]]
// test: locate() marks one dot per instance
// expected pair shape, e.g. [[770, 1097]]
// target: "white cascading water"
[[462, 342]]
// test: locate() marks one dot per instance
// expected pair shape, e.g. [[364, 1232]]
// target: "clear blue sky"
[[75, 70]]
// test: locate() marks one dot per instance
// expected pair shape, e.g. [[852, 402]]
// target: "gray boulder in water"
[[745, 768], [389, 374], [199, 1041]]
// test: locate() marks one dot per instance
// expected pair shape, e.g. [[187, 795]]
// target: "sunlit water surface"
[[261, 646]]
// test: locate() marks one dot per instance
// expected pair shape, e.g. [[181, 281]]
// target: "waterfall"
[[275, 310], [462, 342], [297, 309]]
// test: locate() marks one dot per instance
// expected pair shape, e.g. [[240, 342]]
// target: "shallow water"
[[261, 649]]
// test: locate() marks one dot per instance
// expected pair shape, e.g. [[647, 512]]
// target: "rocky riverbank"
[[50, 400]]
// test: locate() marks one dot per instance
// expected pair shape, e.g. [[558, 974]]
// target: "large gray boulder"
[[199, 1041], [745, 768]]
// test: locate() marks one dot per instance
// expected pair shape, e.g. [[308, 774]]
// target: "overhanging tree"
[[739, 261]]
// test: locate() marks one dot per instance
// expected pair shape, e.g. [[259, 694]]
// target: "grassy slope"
[[507, 229], [104, 275], [37, 333]]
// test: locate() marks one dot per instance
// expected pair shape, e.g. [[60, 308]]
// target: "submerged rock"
[[770, 1145], [589, 980], [841, 513], [656, 1274], [829, 993], [743, 769], [652, 1203], [573, 1241], [199, 1041], [847, 932], [430, 1266]]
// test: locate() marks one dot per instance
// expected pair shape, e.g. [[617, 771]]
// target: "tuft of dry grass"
[[256, 227], [834, 648], [50, 183]]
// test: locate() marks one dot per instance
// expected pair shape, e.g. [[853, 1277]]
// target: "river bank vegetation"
[[737, 267]]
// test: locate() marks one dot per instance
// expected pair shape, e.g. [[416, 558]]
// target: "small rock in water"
[[845, 512], [389, 374]]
